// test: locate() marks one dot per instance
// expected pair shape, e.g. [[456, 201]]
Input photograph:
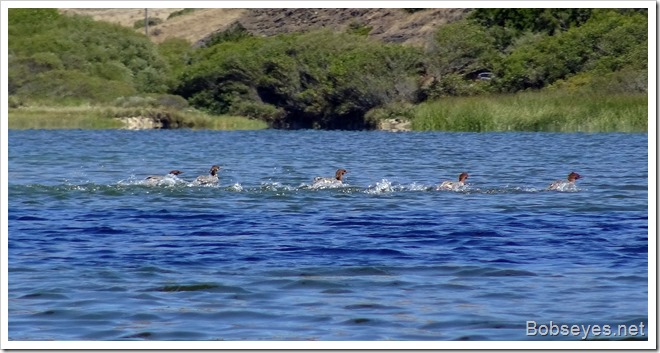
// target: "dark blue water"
[[95, 254]]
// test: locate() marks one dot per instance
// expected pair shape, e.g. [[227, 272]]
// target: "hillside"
[[331, 68], [388, 25]]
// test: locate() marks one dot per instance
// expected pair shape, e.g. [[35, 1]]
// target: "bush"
[[14, 102], [180, 13], [317, 79], [549, 21], [152, 21], [626, 81], [172, 101], [266, 112], [44, 44], [457, 85], [177, 54], [233, 33], [394, 110], [608, 42], [359, 29], [460, 48], [73, 86]]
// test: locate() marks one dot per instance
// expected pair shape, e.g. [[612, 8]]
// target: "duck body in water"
[[210, 179], [563, 185], [453, 185], [170, 178], [337, 180]]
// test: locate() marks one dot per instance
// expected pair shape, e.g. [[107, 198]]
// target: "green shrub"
[[45, 61], [359, 29], [177, 53], [112, 70], [549, 21], [233, 33], [607, 42], [394, 110], [27, 22], [461, 47], [180, 13], [457, 85], [317, 79], [626, 81], [46, 45], [172, 101], [14, 102], [73, 86], [152, 21], [266, 112]]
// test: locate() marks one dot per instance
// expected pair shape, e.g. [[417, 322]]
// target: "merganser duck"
[[453, 185], [563, 184], [208, 179], [336, 180], [156, 179]]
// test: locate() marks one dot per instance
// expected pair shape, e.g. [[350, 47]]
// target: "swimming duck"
[[156, 179], [208, 179], [329, 180], [453, 185], [563, 184]]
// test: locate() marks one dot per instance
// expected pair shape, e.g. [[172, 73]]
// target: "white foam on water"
[[383, 186]]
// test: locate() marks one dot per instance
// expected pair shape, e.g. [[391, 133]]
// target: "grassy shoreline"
[[100, 117], [535, 111], [529, 111]]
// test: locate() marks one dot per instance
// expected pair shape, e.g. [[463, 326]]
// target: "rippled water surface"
[[96, 254]]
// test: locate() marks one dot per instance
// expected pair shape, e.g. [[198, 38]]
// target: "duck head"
[[462, 177], [340, 174], [175, 172], [214, 170], [574, 176]]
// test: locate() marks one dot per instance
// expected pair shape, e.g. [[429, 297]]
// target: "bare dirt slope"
[[389, 25]]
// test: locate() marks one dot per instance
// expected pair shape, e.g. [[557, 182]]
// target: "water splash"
[[452, 187], [133, 185], [276, 187], [325, 184], [563, 187], [166, 180], [383, 186], [236, 187]]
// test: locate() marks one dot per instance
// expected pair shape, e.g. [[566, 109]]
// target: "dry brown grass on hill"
[[124, 17], [197, 25], [388, 25], [192, 26]]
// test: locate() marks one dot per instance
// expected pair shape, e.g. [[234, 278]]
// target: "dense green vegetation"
[[72, 59], [551, 70], [319, 79], [527, 111], [73, 72]]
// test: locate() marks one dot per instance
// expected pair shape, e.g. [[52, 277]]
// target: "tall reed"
[[535, 111]]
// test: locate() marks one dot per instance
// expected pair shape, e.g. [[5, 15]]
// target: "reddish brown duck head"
[[573, 177], [340, 174], [462, 177]]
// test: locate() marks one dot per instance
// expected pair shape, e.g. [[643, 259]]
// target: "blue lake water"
[[95, 254]]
